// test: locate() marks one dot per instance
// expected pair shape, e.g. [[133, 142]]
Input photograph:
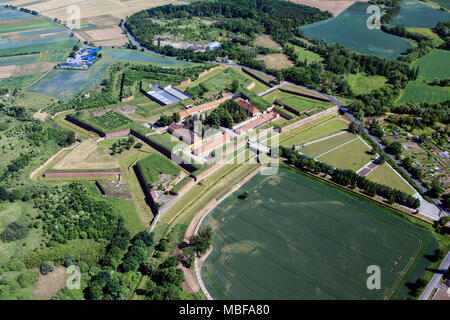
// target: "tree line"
[[348, 178]]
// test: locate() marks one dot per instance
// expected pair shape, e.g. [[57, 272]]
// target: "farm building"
[[255, 122], [82, 60], [167, 95], [181, 133]]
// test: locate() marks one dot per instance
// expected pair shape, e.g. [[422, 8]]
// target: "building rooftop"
[[248, 107]]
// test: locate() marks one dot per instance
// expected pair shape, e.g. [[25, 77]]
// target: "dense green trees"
[[46, 267], [14, 231], [203, 240], [274, 17], [70, 213], [226, 115]]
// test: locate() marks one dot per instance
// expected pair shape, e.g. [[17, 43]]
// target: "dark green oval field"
[[296, 237]]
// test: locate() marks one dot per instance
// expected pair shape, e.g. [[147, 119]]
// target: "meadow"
[[414, 14], [279, 245], [364, 84], [349, 29], [304, 54]]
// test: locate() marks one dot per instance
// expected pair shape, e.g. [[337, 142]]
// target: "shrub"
[[15, 231], [46, 267], [27, 278]]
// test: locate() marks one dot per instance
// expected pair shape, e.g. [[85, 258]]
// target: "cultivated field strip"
[[295, 238]]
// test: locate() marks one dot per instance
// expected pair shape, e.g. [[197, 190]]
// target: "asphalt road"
[[436, 278]]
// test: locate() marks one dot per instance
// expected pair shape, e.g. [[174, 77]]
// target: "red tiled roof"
[[212, 144], [206, 106], [259, 121], [247, 106]]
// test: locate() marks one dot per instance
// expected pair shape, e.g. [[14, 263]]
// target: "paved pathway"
[[436, 278]]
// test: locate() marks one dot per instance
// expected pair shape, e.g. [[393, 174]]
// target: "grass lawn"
[[127, 160], [313, 131], [222, 80], [352, 156], [300, 90], [296, 102], [62, 122], [384, 174], [317, 148], [165, 140], [363, 84], [154, 165]]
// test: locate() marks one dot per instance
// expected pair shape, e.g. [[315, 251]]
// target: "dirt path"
[[42, 166]]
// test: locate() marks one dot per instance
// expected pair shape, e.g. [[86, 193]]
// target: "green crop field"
[[19, 82], [19, 60], [384, 174], [28, 36], [414, 14], [363, 84], [36, 23], [435, 65], [8, 15], [317, 148], [349, 29], [417, 91], [296, 237], [351, 156], [154, 165]]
